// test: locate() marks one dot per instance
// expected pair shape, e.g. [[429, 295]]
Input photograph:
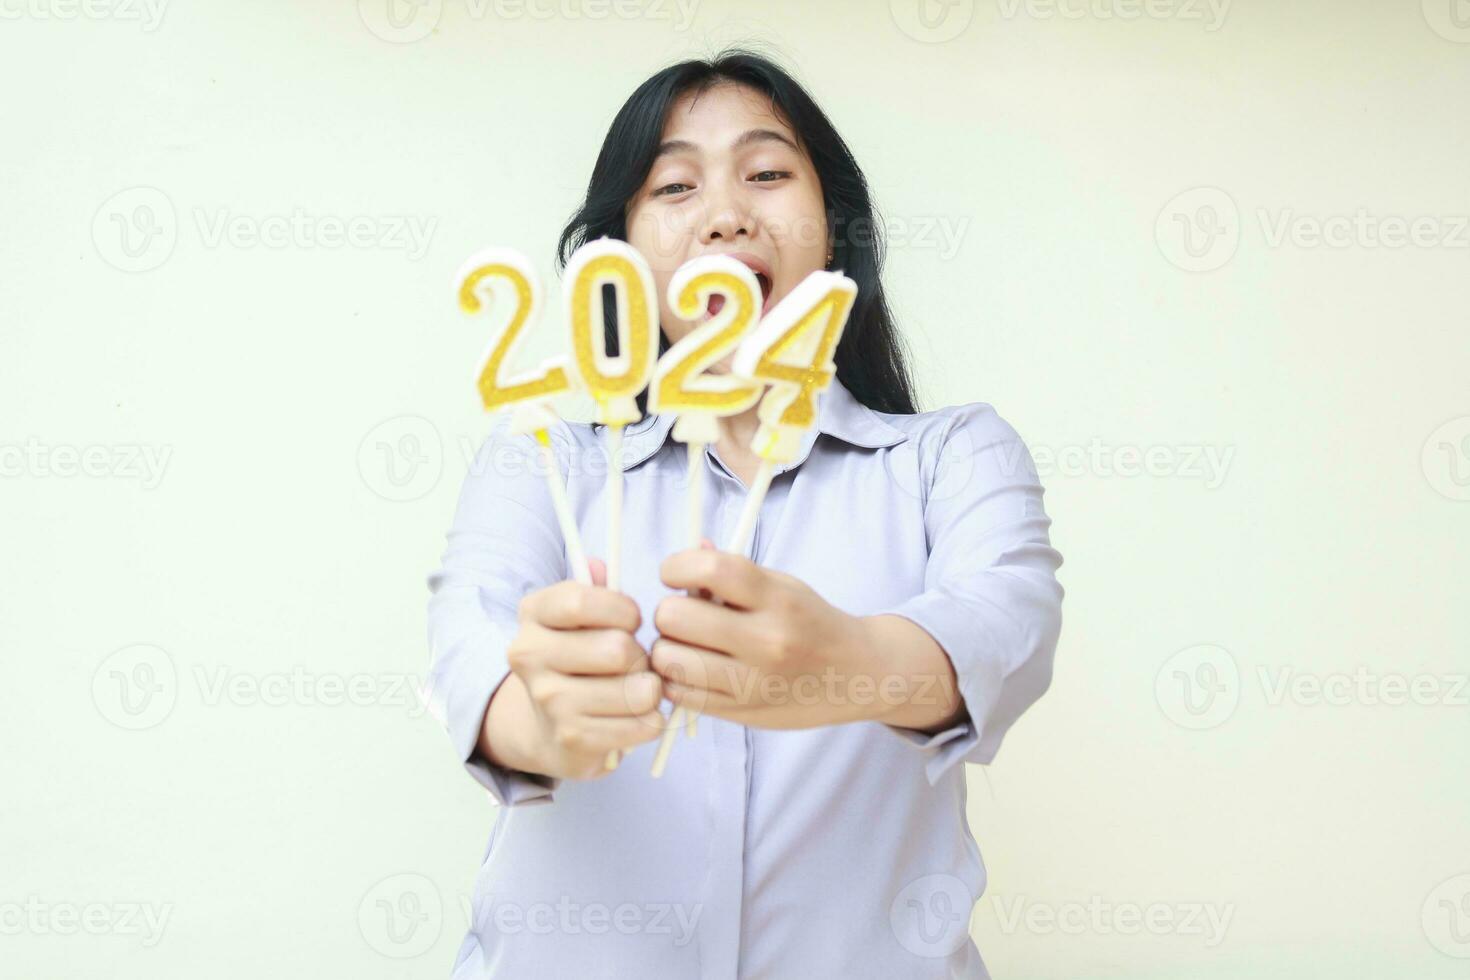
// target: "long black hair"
[[870, 358]]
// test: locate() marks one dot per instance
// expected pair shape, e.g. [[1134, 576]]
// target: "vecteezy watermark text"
[[148, 13], [403, 915], [137, 229], [1211, 13], [37, 917], [138, 686], [1207, 464], [1201, 686], [37, 459], [1201, 229], [1099, 917], [407, 21], [570, 918]]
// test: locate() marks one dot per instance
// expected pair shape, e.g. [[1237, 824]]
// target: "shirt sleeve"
[[504, 542], [991, 598]]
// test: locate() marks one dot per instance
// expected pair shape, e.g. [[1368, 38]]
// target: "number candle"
[[505, 275], [613, 382], [699, 400], [792, 349]]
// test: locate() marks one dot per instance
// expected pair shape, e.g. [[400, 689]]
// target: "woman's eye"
[[773, 174], [675, 188]]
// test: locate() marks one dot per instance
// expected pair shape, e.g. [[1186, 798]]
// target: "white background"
[[309, 415]]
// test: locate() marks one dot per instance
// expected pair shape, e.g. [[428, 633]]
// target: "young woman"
[[898, 611]]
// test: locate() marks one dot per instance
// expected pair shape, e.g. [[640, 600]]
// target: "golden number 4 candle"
[[792, 350]]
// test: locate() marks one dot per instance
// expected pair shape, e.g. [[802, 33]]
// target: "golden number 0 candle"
[[613, 382]]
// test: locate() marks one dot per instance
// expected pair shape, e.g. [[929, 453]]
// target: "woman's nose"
[[728, 217]]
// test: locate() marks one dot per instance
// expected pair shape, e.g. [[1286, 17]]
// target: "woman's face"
[[729, 179]]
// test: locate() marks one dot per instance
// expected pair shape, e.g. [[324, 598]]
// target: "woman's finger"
[[571, 605], [597, 736], [629, 696], [704, 623], [695, 667], [593, 652], [730, 578], [746, 710], [598, 568]]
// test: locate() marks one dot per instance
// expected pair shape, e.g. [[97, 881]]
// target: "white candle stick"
[[537, 420], [614, 507], [696, 538], [754, 497], [576, 555]]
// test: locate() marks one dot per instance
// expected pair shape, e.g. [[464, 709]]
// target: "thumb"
[[598, 567], [707, 543]]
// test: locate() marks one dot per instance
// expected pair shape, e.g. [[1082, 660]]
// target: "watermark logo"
[[954, 467], [1207, 465], [680, 12], [38, 917], [931, 915], [932, 21], [568, 917], [401, 21], [136, 687], [664, 234], [749, 687], [406, 21], [407, 233], [1198, 687], [1365, 687], [1362, 229], [1450, 19], [1210, 13], [40, 460], [402, 458], [1096, 916], [1199, 229], [147, 13], [401, 916], [1446, 459], [1446, 917], [302, 688], [136, 229], [954, 471]]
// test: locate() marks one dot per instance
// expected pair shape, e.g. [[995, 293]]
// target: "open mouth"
[[717, 301], [765, 282]]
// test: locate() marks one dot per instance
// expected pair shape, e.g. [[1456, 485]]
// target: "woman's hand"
[[772, 653], [580, 684]]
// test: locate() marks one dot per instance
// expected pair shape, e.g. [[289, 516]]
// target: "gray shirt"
[[840, 851]]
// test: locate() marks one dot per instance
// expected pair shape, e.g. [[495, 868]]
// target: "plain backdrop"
[[1211, 262]]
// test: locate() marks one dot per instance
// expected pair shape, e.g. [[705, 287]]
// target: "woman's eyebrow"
[[747, 138]]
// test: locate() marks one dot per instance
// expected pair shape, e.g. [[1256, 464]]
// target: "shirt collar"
[[839, 414]]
